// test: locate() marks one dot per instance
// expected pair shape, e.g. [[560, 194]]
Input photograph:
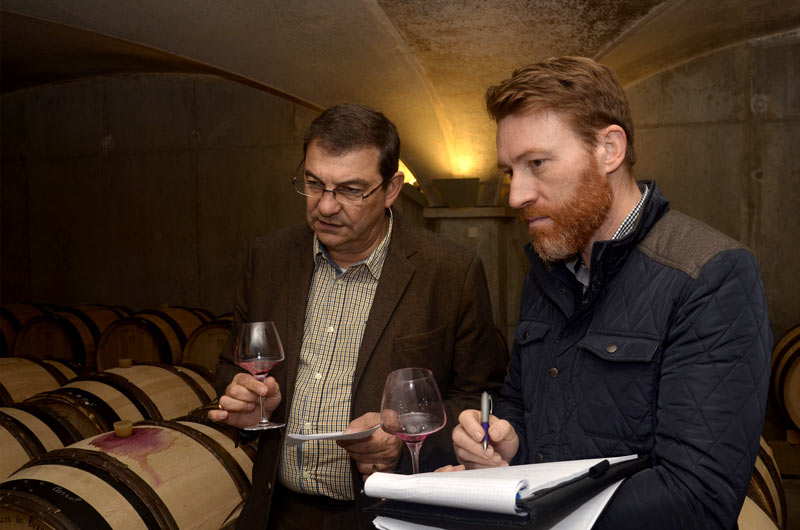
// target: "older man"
[[354, 294], [642, 330]]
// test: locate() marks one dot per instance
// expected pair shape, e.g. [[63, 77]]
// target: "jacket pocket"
[[422, 350], [616, 348], [616, 392], [529, 331]]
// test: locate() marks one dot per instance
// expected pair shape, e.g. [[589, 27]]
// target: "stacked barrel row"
[[765, 505], [94, 337], [785, 373], [13, 317], [62, 466], [180, 474], [73, 471], [42, 407]]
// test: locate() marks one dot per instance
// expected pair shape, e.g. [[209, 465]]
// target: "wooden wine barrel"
[[94, 402], [27, 432], [202, 412], [790, 337], [765, 488], [205, 314], [69, 334], [786, 374], [22, 377], [102, 315], [202, 377], [166, 475], [752, 517], [153, 335], [205, 344], [12, 318], [68, 369]]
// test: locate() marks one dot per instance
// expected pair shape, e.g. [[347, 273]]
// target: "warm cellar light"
[[408, 176], [464, 165]]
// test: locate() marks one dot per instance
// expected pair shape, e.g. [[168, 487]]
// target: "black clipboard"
[[542, 509]]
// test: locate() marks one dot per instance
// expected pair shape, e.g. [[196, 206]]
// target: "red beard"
[[576, 221]]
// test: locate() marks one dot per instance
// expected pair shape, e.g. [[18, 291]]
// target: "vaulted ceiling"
[[424, 63]]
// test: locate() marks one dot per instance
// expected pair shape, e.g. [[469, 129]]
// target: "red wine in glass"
[[416, 426], [259, 368], [258, 349], [412, 408]]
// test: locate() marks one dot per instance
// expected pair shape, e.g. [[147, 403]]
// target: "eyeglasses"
[[316, 189]]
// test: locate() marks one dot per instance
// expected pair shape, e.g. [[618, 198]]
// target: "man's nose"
[[328, 204], [523, 191]]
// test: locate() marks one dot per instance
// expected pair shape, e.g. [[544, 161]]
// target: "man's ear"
[[393, 188], [614, 142]]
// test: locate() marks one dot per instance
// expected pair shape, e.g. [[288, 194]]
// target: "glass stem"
[[413, 448], [263, 420]]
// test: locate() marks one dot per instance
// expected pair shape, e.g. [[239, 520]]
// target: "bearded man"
[[642, 330]]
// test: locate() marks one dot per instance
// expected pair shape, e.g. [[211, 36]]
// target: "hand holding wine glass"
[[258, 348], [239, 407], [412, 408]]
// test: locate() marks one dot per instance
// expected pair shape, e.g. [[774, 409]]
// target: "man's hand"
[[379, 452], [468, 435], [450, 467], [239, 406]]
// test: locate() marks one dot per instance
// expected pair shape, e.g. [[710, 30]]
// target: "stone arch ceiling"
[[425, 63]]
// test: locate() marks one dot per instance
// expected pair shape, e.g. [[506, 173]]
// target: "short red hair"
[[579, 89]]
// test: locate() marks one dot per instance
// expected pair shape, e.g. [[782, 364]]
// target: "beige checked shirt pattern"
[[337, 309]]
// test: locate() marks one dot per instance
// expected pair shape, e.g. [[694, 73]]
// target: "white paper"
[[296, 439], [587, 513], [492, 490], [388, 523], [485, 494], [582, 518]]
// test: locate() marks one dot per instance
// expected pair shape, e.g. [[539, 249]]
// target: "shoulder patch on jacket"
[[684, 243]]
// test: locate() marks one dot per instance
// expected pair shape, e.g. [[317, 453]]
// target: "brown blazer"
[[431, 310]]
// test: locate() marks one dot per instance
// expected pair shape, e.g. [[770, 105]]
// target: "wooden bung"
[[123, 428]]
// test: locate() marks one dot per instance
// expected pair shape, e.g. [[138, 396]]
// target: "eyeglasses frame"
[[333, 191]]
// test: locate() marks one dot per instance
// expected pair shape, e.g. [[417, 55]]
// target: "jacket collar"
[[395, 277], [607, 256]]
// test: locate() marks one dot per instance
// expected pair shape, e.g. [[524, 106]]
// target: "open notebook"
[[512, 491]]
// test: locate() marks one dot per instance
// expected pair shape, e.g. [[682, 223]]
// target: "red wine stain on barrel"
[[144, 442]]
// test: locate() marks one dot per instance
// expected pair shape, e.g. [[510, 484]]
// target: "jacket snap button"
[[611, 348], [553, 372], [539, 458], [525, 335]]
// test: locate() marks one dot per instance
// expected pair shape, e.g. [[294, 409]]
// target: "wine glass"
[[258, 349], [412, 408]]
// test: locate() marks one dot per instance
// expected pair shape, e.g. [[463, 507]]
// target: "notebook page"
[[492, 494], [492, 489], [541, 476], [582, 518]]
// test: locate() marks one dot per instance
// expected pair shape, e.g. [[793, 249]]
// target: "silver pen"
[[486, 409]]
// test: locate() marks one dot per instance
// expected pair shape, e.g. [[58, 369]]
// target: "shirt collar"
[[630, 221], [374, 261]]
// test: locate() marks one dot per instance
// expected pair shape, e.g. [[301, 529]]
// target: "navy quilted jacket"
[[667, 353]]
